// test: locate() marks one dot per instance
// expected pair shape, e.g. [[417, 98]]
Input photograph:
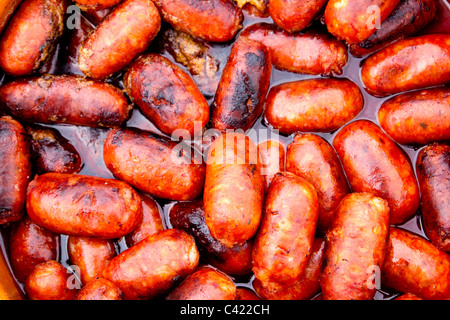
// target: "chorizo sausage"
[[312, 105], [119, 38], [150, 267], [356, 247], [285, 237], [433, 173], [30, 37], [374, 163], [205, 284], [213, 20], [396, 68], [234, 189], [65, 99], [75, 205], [96, 4], [414, 265], [100, 289], [272, 156], [314, 159], [418, 117], [15, 171], [166, 95], [243, 86], [307, 53], [355, 21], [156, 165]]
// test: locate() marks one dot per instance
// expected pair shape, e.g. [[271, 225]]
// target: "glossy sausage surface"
[[153, 164], [15, 169], [356, 247], [100, 289], [433, 173], [65, 99], [417, 117], [285, 237], [76, 205], [374, 163], [396, 68]]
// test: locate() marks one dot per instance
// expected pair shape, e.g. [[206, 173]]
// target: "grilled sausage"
[[65, 99], [149, 268], [100, 289], [166, 95], [414, 265], [433, 173], [151, 221], [355, 21], [272, 156], [244, 293], [408, 17], [314, 159], [30, 37], [119, 38], [374, 163], [154, 164], [312, 105], [213, 20], [15, 169], [189, 216], [396, 68], [418, 117], [52, 152], [50, 281], [96, 4], [243, 86], [234, 189], [205, 284], [356, 247], [30, 245], [90, 255], [284, 240], [76, 205], [308, 53], [309, 284], [295, 15]]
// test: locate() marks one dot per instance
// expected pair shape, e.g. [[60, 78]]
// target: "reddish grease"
[[89, 141]]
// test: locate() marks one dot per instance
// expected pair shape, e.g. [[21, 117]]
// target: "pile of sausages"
[[305, 220]]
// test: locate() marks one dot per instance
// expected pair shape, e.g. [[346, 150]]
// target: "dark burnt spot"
[[423, 125]]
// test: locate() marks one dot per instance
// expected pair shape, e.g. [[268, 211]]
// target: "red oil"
[[89, 141]]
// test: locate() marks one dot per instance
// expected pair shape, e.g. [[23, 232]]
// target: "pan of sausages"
[[225, 150]]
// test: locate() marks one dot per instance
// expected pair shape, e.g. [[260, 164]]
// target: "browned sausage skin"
[[96, 4], [15, 169], [243, 86], [308, 53], [153, 164], [29, 245], [76, 205], [151, 267], [374, 163], [408, 17], [295, 15], [166, 95], [52, 152], [309, 284], [312, 105], [396, 69], [414, 265], [214, 20], [356, 247], [120, 37], [30, 37], [433, 173], [314, 159], [417, 117], [234, 189], [205, 284], [100, 289], [189, 216], [286, 234], [355, 21], [65, 99]]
